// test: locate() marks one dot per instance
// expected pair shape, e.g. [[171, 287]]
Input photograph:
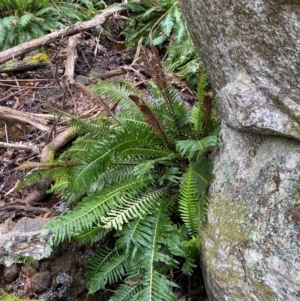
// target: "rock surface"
[[41, 282], [252, 53], [26, 238], [251, 242], [11, 273]]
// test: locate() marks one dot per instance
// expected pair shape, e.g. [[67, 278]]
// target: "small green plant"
[[160, 19], [182, 58], [23, 20], [142, 178], [27, 260]]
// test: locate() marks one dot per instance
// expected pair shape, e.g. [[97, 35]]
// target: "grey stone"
[[64, 263], [252, 53], [41, 282], [27, 238], [83, 80], [11, 273], [251, 242]]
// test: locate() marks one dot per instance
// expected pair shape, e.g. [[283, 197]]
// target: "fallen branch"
[[50, 38], [40, 121], [24, 208], [21, 146], [48, 152], [71, 59], [28, 63]]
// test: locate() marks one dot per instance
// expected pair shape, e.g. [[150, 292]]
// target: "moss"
[[223, 81], [230, 220], [9, 64], [40, 58], [7, 297]]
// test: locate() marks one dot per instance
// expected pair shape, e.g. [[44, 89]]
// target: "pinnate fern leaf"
[[25, 19], [188, 148], [132, 207], [125, 292], [108, 269], [92, 209], [188, 200]]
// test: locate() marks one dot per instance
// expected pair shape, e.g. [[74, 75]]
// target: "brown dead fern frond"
[[150, 117], [153, 64]]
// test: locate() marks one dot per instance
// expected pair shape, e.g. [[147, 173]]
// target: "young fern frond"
[[188, 201], [179, 247]]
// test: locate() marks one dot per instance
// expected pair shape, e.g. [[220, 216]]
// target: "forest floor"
[[43, 91]]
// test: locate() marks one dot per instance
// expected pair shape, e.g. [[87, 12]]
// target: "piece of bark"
[[71, 59], [21, 146], [54, 36], [39, 121]]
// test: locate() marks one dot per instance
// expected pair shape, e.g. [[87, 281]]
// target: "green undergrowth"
[[162, 23], [23, 20]]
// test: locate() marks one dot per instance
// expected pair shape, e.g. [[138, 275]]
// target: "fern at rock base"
[[139, 180]]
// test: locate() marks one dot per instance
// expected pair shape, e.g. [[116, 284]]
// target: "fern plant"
[[162, 22], [23, 20], [159, 18], [142, 177]]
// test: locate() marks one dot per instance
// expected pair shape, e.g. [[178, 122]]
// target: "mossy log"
[[29, 63]]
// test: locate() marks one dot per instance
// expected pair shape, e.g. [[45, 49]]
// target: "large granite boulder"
[[251, 243]]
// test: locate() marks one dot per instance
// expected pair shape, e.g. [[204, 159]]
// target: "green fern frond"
[[91, 236], [147, 167], [125, 292], [132, 207], [186, 250], [190, 148], [167, 24], [108, 269], [188, 201], [25, 19], [197, 114], [115, 92], [94, 208], [203, 173], [156, 288], [201, 86]]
